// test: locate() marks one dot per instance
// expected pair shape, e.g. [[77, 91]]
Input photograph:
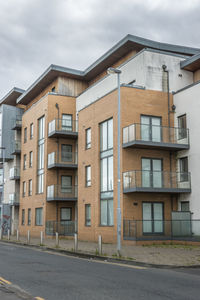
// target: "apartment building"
[[10, 139], [68, 176]]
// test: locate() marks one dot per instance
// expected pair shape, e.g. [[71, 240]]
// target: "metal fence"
[[63, 228], [161, 230]]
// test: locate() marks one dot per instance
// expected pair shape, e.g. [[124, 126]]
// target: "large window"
[[88, 175], [65, 214], [153, 216], [87, 215], [38, 216], [106, 167], [151, 128], [182, 125], [183, 162], [66, 153], [88, 138], [40, 167]]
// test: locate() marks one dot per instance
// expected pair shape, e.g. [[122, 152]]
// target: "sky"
[[74, 33]]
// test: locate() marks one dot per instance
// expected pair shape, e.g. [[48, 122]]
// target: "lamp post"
[[118, 72]]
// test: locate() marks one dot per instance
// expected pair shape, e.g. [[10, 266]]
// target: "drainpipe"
[[57, 159]]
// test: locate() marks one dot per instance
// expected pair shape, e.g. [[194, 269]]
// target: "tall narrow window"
[[25, 135], [39, 216], [23, 216], [88, 138], [106, 174], [66, 184], [67, 122], [31, 131], [66, 153], [87, 215], [30, 187], [24, 163], [30, 159], [29, 216], [182, 127], [40, 167], [88, 175], [24, 189], [183, 162]]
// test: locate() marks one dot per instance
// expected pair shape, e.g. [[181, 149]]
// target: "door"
[[153, 221], [66, 153], [151, 129], [66, 184], [66, 122], [151, 172]]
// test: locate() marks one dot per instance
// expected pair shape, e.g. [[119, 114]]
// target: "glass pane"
[[66, 152], [110, 173], [66, 181], [104, 175], [110, 212], [65, 214], [110, 134], [67, 122], [157, 173], [145, 128], [158, 217], [103, 130], [103, 212], [147, 218], [146, 172], [156, 129]]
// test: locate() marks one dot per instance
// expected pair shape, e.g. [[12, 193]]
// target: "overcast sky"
[[74, 33]]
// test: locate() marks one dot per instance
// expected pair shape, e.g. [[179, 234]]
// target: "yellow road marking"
[[2, 280], [39, 298]]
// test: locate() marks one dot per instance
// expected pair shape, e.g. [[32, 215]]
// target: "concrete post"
[[57, 239], [28, 237], [75, 242], [17, 235], [1, 234], [8, 234], [41, 238], [100, 245]]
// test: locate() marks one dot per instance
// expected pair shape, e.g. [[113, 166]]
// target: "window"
[[25, 135], [40, 183], [185, 206], [183, 162], [24, 189], [88, 138], [66, 122], [65, 214], [87, 215], [23, 216], [29, 216], [106, 176], [24, 163], [31, 131], [152, 173], [53, 89], [40, 162], [88, 175], [66, 153], [66, 184], [153, 222], [30, 159], [182, 127], [38, 216], [41, 129], [30, 187], [151, 129]]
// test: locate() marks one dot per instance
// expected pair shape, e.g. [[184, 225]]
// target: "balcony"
[[155, 137], [63, 128], [14, 199], [17, 123], [156, 182], [62, 193], [14, 173], [62, 160], [63, 228], [16, 147]]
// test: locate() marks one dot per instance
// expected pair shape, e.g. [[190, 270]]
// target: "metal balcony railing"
[[14, 199], [156, 181], [155, 136], [59, 192], [63, 227], [17, 123], [16, 147], [62, 160], [62, 127], [14, 173]]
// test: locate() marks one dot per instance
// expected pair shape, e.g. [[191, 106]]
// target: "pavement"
[[54, 276], [160, 255]]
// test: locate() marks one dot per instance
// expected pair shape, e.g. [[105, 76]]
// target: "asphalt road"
[[56, 277]]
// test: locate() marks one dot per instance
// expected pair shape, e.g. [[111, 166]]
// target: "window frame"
[[24, 189], [31, 131], [36, 210], [23, 217], [30, 184], [29, 217], [88, 142], [25, 135], [182, 130], [65, 220], [25, 162], [88, 181], [87, 220], [30, 159], [183, 174]]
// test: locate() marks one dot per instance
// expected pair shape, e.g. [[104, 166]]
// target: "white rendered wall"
[[188, 102], [146, 69]]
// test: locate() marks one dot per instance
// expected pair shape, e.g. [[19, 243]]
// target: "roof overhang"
[[12, 96], [123, 47], [191, 64]]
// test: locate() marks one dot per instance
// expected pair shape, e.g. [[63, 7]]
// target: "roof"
[[12, 96], [192, 63], [124, 46]]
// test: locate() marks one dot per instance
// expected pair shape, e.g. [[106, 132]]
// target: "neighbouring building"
[[68, 173]]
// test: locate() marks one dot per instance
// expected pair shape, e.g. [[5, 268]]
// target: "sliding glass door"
[[153, 221], [151, 172], [151, 129]]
